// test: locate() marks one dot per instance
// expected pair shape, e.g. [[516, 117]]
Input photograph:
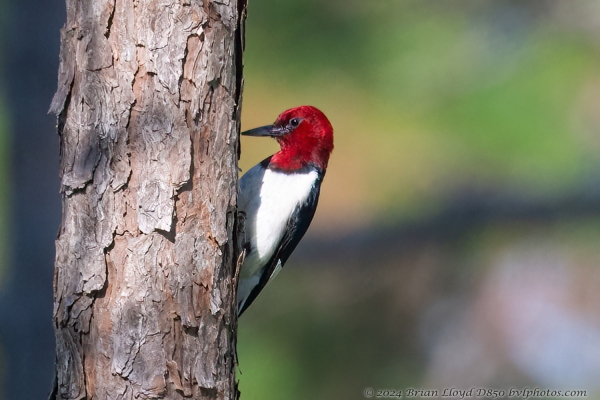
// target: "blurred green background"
[[456, 242]]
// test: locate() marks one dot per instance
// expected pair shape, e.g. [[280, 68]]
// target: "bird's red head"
[[305, 136]]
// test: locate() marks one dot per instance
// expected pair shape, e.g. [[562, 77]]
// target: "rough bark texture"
[[149, 104]]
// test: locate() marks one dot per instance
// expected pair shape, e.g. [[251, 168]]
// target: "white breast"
[[269, 198]]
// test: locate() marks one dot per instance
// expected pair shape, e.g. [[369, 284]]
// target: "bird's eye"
[[294, 122]]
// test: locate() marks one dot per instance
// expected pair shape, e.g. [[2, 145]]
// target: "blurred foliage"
[[426, 97], [423, 96], [330, 331]]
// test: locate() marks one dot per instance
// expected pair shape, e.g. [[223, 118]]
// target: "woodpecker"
[[279, 195]]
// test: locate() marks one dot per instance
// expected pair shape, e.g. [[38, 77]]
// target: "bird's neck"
[[295, 158]]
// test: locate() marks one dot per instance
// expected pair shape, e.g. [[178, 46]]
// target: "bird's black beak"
[[268, 130]]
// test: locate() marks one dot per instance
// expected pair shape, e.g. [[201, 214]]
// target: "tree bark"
[[148, 106]]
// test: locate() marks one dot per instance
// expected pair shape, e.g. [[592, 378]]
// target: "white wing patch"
[[281, 193], [268, 198]]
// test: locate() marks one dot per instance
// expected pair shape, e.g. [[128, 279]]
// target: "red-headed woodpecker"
[[279, 196]]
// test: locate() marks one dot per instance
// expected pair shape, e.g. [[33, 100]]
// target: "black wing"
[[297, 226]]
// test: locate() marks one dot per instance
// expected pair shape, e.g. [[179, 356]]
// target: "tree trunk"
[[149, 106]]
